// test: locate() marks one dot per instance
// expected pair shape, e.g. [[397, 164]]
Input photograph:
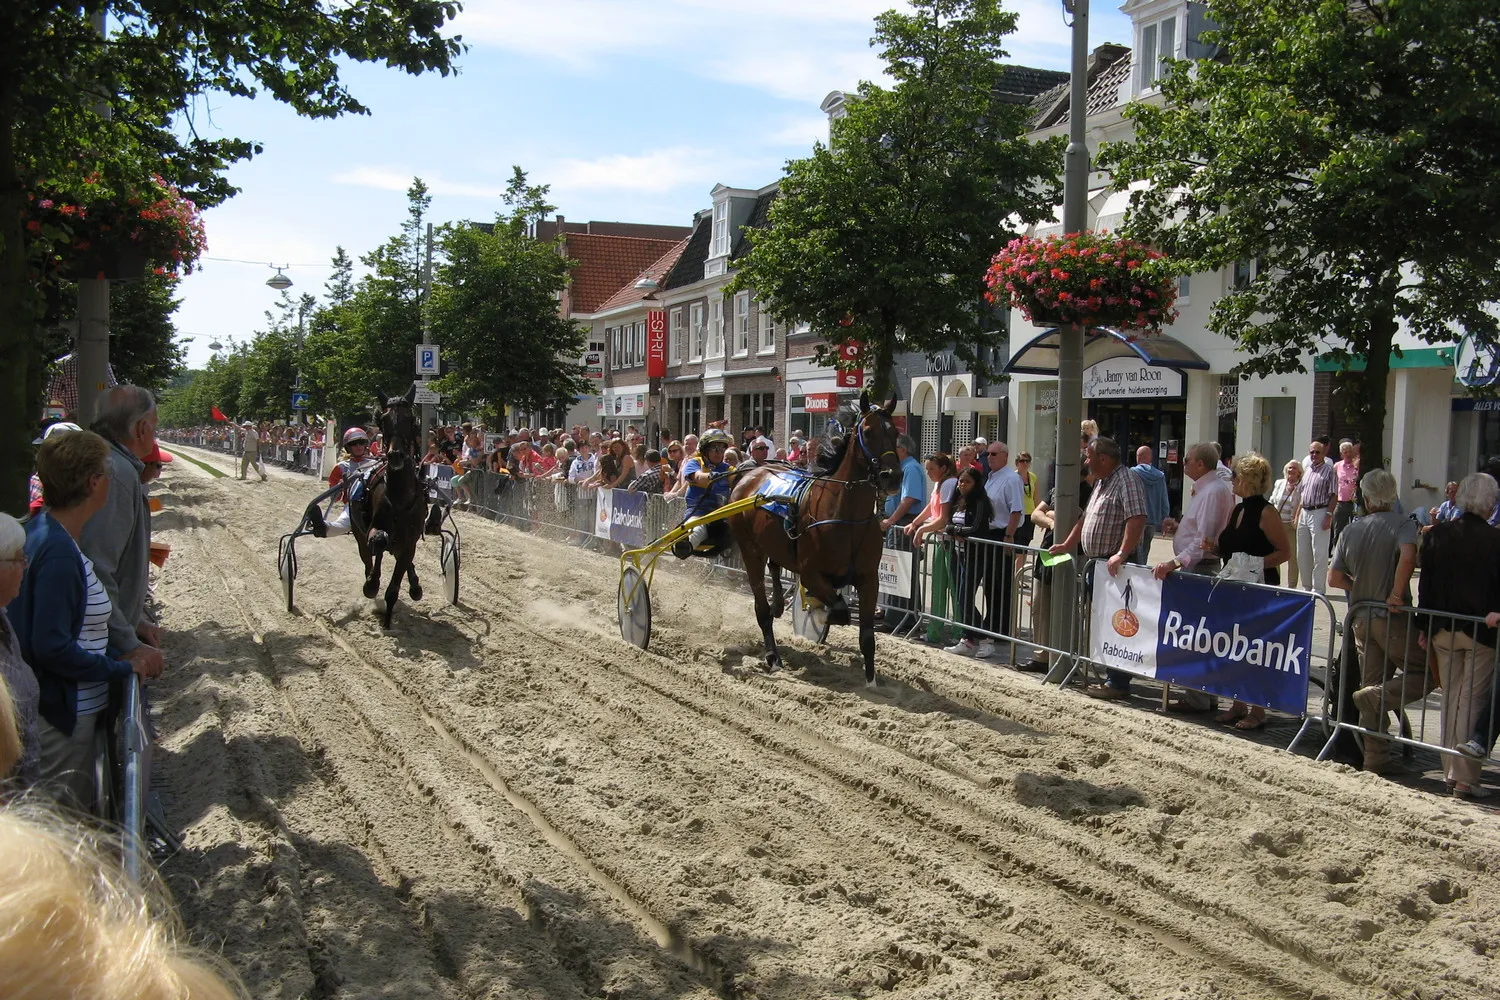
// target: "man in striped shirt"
[[1319, 496]]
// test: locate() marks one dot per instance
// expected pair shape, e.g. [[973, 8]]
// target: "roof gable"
[[605, 264]]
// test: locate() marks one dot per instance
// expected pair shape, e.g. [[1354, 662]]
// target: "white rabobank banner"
[[602, 508], [1227, 638]]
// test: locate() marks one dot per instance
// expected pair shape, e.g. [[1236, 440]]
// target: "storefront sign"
[[1226, 638], [656, 344], [1463, 404], [895, 572], [629, 404], [851, 374], [821, 402], [1130, 378], [593, 364]]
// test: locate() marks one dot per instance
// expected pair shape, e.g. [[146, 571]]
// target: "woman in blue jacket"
[[61, 617]]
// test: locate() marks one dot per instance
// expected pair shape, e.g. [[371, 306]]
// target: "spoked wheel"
[[810, 623], [286, 568], [448, 562], [634, 602]]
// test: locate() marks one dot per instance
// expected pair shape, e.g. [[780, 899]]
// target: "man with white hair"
[[1373, 561], [251, 458], [117, 539]]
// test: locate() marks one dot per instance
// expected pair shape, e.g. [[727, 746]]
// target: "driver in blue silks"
[[706, 474]]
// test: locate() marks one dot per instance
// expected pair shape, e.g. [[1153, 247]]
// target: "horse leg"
[[372, 565], [393, 590], [869, 594], [778, 597], [755, 571], [414, 587]]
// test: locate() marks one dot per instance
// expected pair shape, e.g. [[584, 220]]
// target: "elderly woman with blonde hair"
[[19, 693], [1255, 529]]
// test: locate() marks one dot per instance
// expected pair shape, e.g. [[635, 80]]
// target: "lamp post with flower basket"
[[95, 241]]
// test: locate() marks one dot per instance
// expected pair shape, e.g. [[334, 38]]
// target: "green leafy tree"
[[494, 310], [1352, 150], [156, 70], [884, 235], [365, 343], [141, 331]]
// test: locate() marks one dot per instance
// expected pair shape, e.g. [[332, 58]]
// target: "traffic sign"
[[427, 359], [299, 400]]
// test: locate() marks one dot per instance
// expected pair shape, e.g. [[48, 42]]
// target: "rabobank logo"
[[1124, 621]]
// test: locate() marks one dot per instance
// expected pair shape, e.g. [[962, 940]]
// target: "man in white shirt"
[[1208, 511]]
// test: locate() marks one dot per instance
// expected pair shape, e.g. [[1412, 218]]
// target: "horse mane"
[[830, 454]]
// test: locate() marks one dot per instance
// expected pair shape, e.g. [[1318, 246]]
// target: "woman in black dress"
[[1256, 529], [971, 517]]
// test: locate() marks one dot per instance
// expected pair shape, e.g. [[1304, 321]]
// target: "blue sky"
[[631, 109]]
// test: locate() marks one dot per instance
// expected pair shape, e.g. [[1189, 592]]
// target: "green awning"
[[1411, 357]]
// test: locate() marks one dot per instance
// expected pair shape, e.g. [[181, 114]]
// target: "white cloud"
[[800, 132], [392, 179], [649, 173]]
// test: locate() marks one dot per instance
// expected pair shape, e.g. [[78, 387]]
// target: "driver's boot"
[[434, 521], [315, 518]]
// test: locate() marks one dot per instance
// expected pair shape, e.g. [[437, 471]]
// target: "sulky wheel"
[[449, 561], [286, 568], [634, 601], [810, 624]]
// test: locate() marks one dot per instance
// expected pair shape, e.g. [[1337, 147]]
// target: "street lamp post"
[[1070, 337]]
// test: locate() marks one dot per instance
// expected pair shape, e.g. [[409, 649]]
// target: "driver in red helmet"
[[353, 472]]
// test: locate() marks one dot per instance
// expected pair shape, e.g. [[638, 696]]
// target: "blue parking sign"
[[427, 359]]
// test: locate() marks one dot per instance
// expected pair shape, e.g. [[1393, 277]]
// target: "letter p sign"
[[427, 360]]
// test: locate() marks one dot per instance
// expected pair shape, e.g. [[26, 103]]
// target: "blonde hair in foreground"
[[71, 926], [10, 732]]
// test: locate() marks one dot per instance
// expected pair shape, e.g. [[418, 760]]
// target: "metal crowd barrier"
[[1410, 658], [135, 745]]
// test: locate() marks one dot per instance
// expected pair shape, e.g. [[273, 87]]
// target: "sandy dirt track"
[[505, 800]]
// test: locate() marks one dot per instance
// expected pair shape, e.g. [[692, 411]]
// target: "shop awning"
[[1410, 357], [1039, 356]]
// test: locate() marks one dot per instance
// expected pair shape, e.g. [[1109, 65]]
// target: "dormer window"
[[721, 229], [1158, 44]]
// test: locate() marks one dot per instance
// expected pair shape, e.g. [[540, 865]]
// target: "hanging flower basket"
[[1088, 278], [116, 238]]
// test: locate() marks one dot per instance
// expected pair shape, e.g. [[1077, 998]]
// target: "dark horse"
[[395, 507], [836, 538]]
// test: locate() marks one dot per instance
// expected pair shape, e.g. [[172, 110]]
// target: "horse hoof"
[[372, 588], [870, 682], [773, 663], [778, 609], [415, 592]]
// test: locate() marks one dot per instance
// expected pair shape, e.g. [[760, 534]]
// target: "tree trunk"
[[18, 353], [1371, 419], [881, 362]]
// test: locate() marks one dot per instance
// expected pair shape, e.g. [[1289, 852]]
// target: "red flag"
[[217, 414]]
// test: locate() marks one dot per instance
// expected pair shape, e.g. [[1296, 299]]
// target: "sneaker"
[[315, 521], [1036, 666], [1473, 749], [985, 650], [962, 647], [1463, 791], [1106, 692]]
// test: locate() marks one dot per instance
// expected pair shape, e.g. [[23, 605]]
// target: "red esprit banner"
[[656, 344], [851, 374]]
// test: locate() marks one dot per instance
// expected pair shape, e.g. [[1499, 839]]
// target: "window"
[[1243, 273], [1158, 43], [721, 229], [689, 414], [716, 328], [1184, 288], [674, 338], [612, 335], [758, 409], [640, 343], [767, 330], [697, 351], [741, 324], [801, 328]]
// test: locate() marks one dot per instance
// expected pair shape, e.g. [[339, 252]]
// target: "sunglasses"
[[994, 454], [760, 447]]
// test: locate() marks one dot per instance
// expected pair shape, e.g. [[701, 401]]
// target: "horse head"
[[398, 425], [876, 436]]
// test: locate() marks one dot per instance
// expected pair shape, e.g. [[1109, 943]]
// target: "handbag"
[[1244, 568]]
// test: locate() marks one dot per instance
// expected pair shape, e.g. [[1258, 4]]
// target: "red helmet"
[[355, 434]]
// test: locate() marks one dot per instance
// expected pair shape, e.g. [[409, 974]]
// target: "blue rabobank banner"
[[1222, 637], [627, 518]]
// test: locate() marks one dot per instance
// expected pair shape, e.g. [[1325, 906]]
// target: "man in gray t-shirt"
[[1373, 561]]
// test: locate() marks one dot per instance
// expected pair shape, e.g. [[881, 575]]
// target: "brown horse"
[[836, 538], [396, 509]]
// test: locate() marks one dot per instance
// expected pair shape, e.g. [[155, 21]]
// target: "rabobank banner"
[[620, 516], [627, 518], [1217, 636]]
